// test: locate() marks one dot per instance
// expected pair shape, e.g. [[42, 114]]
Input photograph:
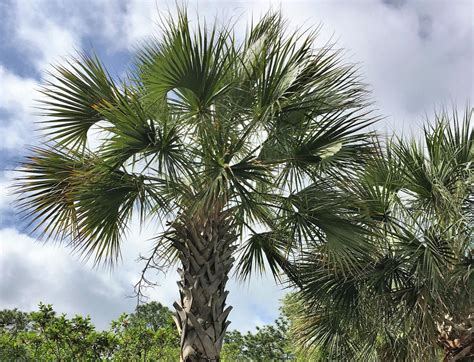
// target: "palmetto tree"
[[411, 291], [219, 140]]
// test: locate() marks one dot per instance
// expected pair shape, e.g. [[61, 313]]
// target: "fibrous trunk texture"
[[206, 246], [457, 339]]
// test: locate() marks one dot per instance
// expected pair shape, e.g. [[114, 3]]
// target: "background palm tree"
[[411, 289], [228, 145]]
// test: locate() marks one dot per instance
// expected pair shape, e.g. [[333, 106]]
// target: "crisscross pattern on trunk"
[[206, 247]]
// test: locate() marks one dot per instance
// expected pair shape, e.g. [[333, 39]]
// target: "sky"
[[416, 56]]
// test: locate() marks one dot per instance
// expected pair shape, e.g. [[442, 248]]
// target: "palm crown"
[[218, 139], [411, 288]]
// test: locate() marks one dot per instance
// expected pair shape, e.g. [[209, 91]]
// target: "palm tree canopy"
[[415, 200], [202, 122]]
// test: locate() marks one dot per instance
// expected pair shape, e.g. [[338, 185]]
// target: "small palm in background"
[[233, 147], [410, 290]]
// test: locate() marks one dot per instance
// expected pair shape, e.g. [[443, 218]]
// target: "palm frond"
[[265, 250], [73, 97], [75, 196], [187, 68]]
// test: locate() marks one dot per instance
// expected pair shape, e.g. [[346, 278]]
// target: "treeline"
[[148, 334]]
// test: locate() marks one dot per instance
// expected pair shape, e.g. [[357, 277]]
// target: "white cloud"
[[16, 108], [14, 135], [41, 36], [6, 194], [140, 21], [32, 272], [17, 93]]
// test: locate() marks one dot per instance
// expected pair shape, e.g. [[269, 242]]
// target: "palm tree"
[[410, 291], [217, 140]]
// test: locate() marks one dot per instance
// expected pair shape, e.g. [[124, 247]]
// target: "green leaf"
[[73, 99]]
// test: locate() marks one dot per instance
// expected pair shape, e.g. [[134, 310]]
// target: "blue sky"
[[415, 55]]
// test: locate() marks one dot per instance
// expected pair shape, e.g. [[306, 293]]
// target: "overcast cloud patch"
[[395, 3]]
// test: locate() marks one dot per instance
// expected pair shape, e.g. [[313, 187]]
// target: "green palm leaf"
[[73, 99]]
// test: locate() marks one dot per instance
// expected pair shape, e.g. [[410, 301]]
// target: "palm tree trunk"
[[457, 339], [205, 249]]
